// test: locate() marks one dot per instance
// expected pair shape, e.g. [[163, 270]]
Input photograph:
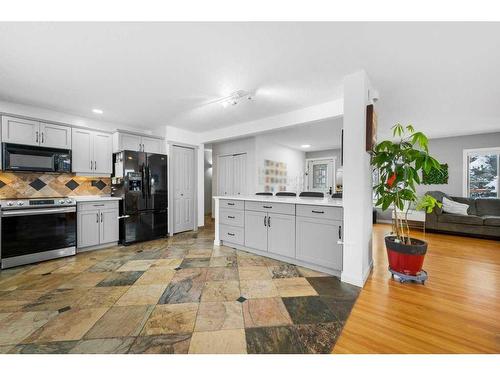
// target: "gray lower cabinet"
[[270, 232], [97, 224], [256, 230], [281, 234], [317, 242], [88, 228]]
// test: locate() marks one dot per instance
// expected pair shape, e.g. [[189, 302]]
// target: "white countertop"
[[327, 201], [95, 198]]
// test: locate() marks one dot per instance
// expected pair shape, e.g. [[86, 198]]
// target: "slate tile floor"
[[177, 295]]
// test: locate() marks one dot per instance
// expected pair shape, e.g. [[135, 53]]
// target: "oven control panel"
[[35, 203]]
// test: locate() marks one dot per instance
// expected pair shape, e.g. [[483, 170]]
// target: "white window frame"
[[466, 153], [334, 177]]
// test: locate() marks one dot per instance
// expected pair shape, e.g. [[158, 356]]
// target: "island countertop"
[[327, 201]]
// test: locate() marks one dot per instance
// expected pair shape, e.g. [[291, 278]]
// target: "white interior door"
[[183, 182], [239, 174], [225, 175], [320, 175]]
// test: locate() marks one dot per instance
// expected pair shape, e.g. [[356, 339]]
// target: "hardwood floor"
[[456, 311]]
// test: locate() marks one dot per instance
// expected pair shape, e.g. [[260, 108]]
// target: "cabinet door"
[[239, 174], [317, 242], [103, 154], [129, 142], [281, 234], [153, 145], [20, 131], [88, 228], [82, 158], [223, 187], [55, 136], [256, 230], [108, 226]]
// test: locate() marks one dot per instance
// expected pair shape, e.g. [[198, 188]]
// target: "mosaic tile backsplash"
[[39, 185]]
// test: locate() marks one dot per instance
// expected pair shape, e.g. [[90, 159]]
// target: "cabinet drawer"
[[232, 234], [320, 212], [232, 204], [90, 206], [231, 217], [279, 208]]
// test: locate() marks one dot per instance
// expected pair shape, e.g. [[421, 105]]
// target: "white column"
[[357, 185]]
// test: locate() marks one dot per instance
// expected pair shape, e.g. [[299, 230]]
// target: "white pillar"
[[357, 186]]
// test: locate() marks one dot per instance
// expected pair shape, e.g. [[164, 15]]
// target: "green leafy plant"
[[399, 164]]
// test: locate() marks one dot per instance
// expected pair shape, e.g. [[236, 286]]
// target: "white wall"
[[318, 112], [295, 160], [66, 118], [208, 181], [357, 188]]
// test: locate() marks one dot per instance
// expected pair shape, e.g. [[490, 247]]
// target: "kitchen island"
[[302, 231]]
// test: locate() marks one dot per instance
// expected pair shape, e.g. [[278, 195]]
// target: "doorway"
[[183, 186]]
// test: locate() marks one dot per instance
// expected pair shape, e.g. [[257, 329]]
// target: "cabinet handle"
[[101, 217], [340, 232], [230, 234], [42, 138], [230, 204], [36, 137], [97, 220], [267, 206], [265, 217], [318, 212], [230, 217], [95, 165], [269, 221]]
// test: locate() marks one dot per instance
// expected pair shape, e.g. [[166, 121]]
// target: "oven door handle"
[[38, 211]]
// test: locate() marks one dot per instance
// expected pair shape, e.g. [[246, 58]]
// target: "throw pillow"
[[453, 207]]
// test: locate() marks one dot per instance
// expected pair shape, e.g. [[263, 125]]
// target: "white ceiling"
[[442, 77], [320, 135]]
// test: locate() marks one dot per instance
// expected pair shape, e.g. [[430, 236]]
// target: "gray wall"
[[450, 151], [208, 181]]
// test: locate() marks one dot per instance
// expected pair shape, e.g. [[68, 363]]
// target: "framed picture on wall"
[[371, 128]]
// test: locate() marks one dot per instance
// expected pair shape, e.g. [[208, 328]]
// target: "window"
[[320, 174], [481, 171]]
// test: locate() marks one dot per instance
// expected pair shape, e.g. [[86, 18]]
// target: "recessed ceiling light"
[[98, 111], [305, 146]]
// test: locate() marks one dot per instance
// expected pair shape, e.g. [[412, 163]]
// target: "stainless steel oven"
[[36, 159], [36, 229]]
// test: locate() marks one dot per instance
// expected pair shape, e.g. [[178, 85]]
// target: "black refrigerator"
[[140, 179]]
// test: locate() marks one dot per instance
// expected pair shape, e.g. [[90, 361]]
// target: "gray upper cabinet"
[[281, 234], [55, 136], [20, 131], [92, 152], [256, 230], [153, 145], [317, 241], [35, 133], [123, 140]]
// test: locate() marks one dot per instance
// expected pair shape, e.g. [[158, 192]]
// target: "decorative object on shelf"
[[436, 177], [371, 128], [398, 163]]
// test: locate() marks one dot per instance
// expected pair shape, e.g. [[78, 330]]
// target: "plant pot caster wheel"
[[421, 277]]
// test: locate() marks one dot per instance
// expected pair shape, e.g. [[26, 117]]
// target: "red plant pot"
[[406, 259]]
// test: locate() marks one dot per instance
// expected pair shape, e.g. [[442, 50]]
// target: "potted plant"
[[399, 164]]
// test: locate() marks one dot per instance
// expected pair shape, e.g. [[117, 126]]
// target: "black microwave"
[[35, 159]]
